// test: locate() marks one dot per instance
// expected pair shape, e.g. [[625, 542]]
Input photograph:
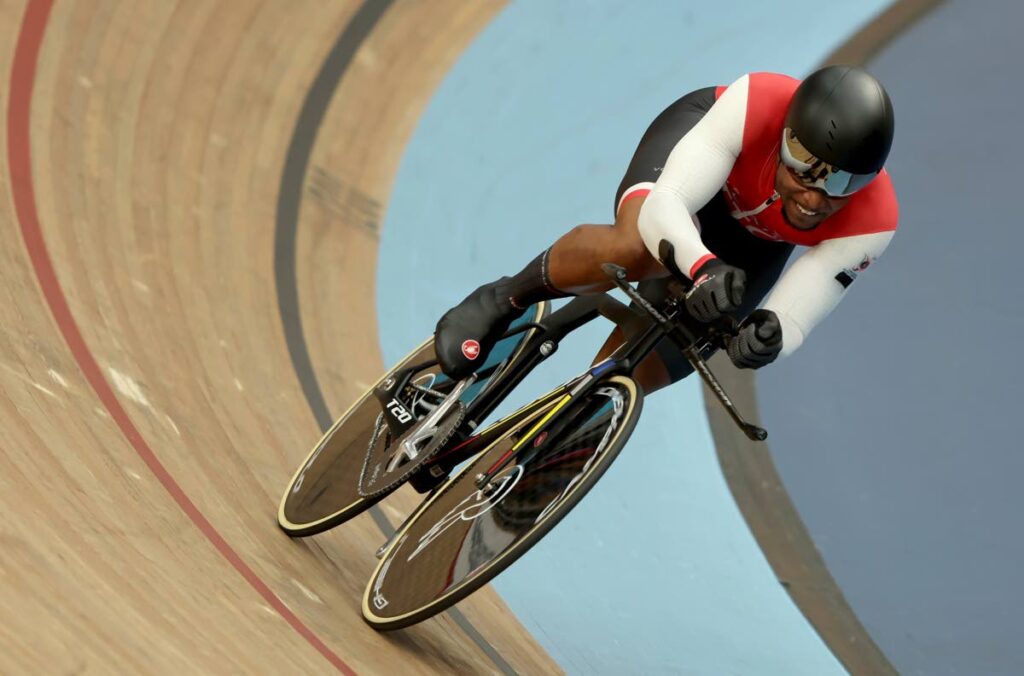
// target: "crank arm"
[[408, 449]]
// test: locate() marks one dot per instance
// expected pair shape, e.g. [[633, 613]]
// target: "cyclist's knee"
[[638, 259], [632, 252]]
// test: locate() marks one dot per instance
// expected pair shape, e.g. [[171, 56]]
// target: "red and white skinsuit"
[[734, 148]]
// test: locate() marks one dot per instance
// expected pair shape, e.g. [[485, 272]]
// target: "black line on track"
[[300, 149]]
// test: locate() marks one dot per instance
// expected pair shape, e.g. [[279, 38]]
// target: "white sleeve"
[[695, 171], [815, 283]]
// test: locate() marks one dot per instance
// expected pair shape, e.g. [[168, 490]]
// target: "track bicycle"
[[533, 467], [492, 494]]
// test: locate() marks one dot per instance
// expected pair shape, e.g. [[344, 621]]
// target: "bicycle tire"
[[295, 516], [415, 595]]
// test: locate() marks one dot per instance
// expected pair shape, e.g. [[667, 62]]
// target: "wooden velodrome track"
[[154, 402], [193, 196]]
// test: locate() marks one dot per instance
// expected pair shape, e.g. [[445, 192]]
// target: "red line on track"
[[23, 71]]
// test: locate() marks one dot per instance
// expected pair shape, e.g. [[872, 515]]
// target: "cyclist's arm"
[[815, 283], [695, 171]]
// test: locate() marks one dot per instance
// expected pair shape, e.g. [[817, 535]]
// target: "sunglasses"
[[816, 173]]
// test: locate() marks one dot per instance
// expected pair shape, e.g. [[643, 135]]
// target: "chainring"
[[375, 480]]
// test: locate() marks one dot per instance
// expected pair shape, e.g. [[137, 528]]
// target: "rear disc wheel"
[[324, 492]]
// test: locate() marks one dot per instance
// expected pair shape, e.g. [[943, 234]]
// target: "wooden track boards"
[[158, 136]]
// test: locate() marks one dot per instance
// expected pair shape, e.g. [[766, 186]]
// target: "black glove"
[[758, 341], [717, 289]]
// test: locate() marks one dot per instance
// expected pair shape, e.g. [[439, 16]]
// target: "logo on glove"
[[470, 349]]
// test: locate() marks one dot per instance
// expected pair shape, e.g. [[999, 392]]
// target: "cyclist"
[[722, 187]]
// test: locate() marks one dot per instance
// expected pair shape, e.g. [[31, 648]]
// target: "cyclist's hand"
[[758, 342], [717, 289]]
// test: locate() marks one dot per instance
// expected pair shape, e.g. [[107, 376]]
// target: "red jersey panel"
[[750, 188]]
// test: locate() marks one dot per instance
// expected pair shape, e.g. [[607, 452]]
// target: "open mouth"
[[805, 212]]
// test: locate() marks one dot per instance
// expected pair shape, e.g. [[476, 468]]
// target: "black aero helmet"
[[843, 118]]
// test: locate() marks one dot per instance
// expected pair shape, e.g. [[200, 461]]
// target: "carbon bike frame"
[[666, 322]]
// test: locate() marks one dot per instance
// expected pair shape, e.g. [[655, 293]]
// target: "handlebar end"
[[614, 271], [755, 433]]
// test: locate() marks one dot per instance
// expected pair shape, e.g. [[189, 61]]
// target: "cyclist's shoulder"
[[764, 87], [874, 209], [769, 88], [766, 97]]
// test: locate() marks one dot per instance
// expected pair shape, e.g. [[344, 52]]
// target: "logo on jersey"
[[857, 269], [847, 275], [470, 349]]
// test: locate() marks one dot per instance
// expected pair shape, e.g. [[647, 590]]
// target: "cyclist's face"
[[804, 207]]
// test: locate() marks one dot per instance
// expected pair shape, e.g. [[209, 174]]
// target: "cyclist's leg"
[[572, 264], [575, 259], [467, 332]]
